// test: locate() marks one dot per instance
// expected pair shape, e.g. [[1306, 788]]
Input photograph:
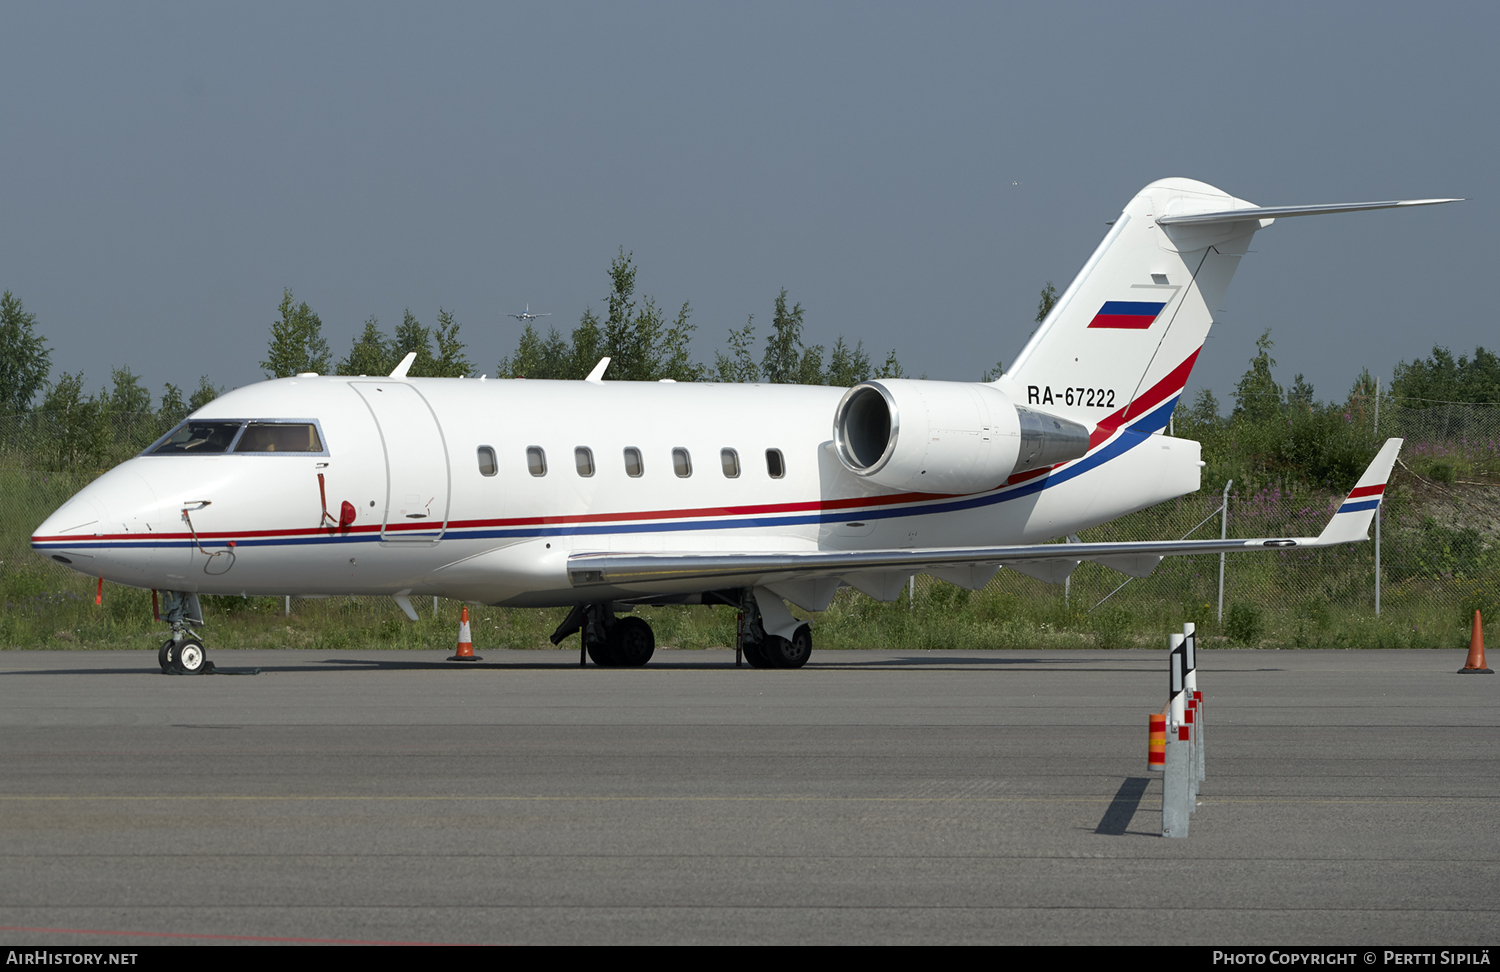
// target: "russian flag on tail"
[[1129, 315]]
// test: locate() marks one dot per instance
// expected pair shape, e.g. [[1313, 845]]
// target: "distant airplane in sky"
[[527, 315]]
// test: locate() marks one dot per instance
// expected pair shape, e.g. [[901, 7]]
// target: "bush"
[[1244, 623], [1112, 628]]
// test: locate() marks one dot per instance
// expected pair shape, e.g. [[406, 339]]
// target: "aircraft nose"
[[119, 502], [81, 516]]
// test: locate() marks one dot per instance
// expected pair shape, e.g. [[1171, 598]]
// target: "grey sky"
[[168, 169]]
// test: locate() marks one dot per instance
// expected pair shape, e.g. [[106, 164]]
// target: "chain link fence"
[[1439, 551]]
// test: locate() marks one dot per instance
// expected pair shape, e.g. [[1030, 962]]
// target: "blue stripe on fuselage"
[[1137, 433]]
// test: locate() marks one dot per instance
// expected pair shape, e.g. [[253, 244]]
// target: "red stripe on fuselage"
[[1154, 396], [860, 502], [1366, 491]]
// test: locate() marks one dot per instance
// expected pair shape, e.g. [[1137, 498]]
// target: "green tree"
[[640, 343], [781, 363], [588, 345], [413, 335], [296, 344], [129, 395], [203, 394], [675, 360], [847, 368], [739, 364], [1442, 378], [370, 353], [892, 367], [810, 368], [80, 425], [451, 361], [25, 359], [1045, 305], [129, 414], [1257, 396], [172, 404], [537, 357], [623, 340]]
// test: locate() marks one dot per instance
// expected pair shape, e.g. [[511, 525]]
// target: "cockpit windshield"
[[203, 437], [197, 438]]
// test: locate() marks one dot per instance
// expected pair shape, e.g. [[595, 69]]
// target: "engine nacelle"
[[946, 436]]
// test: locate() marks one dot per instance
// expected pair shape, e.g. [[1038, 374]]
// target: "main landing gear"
[[627, 642], [762, 649], [183, 653], [610, 641]]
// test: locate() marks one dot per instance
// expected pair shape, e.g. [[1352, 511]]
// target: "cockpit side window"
[[280, 437], [197, 438]]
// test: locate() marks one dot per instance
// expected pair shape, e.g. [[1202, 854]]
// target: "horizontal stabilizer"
[[1281, 212]]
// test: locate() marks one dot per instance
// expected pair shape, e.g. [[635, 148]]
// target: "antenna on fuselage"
[[597, 375], [401, 369]]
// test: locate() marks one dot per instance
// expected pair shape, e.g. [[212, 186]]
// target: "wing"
[[806, 576]]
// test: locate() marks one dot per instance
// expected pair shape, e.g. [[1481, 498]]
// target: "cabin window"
[[633, 465], [536, 461], [730, 460], [774, 464], [682, 463], [583, 458], [197, 438], [487, 464]]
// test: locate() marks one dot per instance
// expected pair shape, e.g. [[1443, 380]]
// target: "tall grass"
[[1435, 577]]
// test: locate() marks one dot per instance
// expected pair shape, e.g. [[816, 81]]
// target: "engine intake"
[[946, 436]]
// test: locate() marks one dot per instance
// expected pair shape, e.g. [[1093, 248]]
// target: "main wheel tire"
[[631, 642], [601, 654], [189, 657], [164, 655], [790, 654]]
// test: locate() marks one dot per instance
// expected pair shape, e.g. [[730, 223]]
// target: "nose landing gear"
[[183, 653], [185, 657]]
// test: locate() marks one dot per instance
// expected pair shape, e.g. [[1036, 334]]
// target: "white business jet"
[[603, 495]]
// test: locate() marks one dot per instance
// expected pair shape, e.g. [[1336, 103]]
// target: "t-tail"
[[1116, 349]]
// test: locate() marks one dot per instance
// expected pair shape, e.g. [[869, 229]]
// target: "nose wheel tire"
[[164, 655], [187, 657]]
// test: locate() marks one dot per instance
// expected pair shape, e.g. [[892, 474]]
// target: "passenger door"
[[416, 462]]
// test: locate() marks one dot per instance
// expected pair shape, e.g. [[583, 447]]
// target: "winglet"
[[1351, 523], [401, 369], [597, 375]]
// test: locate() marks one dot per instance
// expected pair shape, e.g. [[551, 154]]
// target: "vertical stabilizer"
[[1118, 346]]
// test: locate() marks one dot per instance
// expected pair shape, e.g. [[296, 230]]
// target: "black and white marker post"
[[1195, 702], [1177, 789]]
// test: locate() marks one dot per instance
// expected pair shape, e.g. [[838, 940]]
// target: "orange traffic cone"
[[465, 645], [1475, 664]]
